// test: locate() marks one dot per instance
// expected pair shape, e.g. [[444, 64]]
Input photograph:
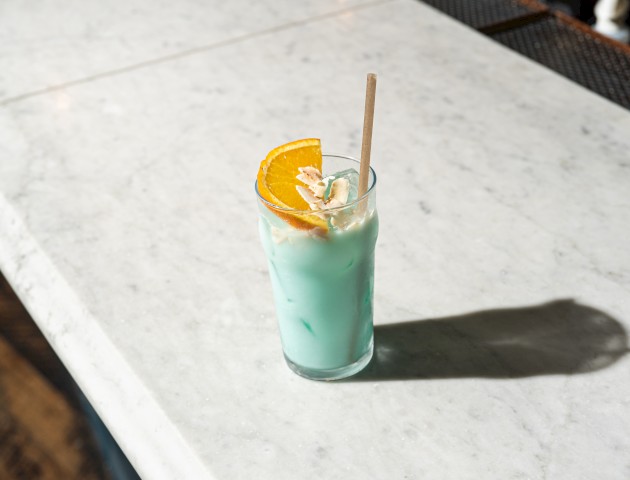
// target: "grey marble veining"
[[65, 42], [128, 228]]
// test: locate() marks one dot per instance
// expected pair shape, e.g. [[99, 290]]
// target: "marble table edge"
[[110, 384]]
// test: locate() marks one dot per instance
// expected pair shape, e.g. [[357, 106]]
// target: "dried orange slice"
[[277, 180]]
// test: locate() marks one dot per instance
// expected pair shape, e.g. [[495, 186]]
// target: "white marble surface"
[[128, 228], [64, 42]]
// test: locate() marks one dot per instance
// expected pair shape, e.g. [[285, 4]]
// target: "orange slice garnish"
[[277, 180]]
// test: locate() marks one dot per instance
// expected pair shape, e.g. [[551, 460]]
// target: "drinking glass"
[[323, 278]]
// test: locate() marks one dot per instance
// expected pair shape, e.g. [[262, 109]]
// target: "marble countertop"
[[130, 134]]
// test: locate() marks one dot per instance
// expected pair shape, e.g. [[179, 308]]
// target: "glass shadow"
[[560, 337]]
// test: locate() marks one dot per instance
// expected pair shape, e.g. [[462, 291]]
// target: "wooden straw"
[[368, 122]]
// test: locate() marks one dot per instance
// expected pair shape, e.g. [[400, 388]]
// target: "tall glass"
[[323, 279]]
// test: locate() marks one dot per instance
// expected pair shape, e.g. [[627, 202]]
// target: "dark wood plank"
[[19, 329], [43, 433]]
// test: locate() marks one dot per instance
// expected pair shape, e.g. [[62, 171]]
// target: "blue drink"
[[323, 284]]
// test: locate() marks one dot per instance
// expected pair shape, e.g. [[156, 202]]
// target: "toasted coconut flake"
[[319, 188], [309, 175], [307, 195], [315, 194], [333, 203], [340, 190]]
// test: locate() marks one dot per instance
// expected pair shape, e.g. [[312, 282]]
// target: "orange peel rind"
[[277, 179]]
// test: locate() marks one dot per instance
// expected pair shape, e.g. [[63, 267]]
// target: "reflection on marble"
[[128, 227]]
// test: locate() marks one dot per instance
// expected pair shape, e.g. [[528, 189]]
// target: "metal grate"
[[483, 13], [555, 40], [575, 52]]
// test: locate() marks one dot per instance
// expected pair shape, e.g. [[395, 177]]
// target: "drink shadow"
[[560, 337]]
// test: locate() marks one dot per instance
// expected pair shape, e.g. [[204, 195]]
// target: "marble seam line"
[[193, 51]]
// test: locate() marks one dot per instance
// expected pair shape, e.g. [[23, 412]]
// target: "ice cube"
[[353, 178]]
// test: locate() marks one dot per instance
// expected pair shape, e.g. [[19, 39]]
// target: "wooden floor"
[[43, 433]]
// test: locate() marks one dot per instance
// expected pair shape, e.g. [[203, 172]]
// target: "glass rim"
[[294, 211]]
